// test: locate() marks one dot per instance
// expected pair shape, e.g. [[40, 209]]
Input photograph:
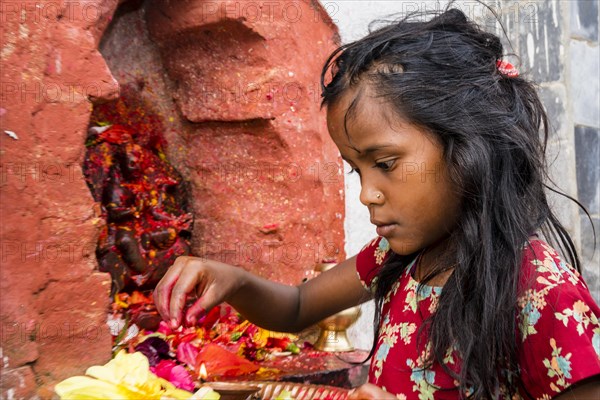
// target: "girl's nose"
[[370, 196]]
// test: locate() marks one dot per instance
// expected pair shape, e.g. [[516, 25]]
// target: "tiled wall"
[[584, 93]]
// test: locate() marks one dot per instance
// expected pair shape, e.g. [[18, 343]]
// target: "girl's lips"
[[385, 230]]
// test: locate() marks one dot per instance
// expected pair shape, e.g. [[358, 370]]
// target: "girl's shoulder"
[[544, 269], [558, 324], [370, 260], [551, 290]]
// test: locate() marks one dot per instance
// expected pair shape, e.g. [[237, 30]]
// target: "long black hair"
[[442, 75]]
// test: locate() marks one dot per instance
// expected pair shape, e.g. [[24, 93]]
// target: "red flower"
[[221, 362], [187, 353]]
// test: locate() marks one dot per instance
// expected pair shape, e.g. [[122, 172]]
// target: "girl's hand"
[[371, 392], [210, 281], [291, 308]]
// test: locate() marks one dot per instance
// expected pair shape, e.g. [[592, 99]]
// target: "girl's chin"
[[403, 248]]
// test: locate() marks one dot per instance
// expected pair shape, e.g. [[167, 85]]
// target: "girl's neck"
[[434, 258]]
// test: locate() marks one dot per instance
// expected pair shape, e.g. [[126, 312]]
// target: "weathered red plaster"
[[267, 180], [50, 294]]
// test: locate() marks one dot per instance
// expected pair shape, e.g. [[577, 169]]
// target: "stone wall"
[[52, 302]]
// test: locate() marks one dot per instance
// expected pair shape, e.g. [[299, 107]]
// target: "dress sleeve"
[[559, 331], [369, 260]]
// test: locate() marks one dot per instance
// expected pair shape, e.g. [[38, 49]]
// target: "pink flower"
[[174, 373], [164, 328], [163, 368]]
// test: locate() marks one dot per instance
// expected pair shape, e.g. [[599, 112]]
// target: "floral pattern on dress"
[[388, 336], [424, 379], [558, 366], [558, 334], [415, 295], [532, 303], [551, 274], [580, 314], [596, 340], [556, 272], [382, 249], [390, 295]]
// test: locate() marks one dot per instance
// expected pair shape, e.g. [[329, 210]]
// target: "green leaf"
[[293, 348]]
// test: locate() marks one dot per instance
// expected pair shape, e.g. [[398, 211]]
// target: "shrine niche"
[[143, 198]]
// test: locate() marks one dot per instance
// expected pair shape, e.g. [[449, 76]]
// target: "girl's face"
[[404, 180]]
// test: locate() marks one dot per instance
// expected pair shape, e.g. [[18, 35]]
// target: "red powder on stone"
[[143, 198]]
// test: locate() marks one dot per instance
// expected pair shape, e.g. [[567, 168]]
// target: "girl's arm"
[[369, 391], [268, 304], [589, 389]]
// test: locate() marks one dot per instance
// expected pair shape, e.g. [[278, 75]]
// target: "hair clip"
[[506, 68]]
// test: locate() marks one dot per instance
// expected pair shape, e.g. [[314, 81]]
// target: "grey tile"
[[587, 156], [588, 240], [584, 19], [590, 256], [553, 100], [585, 82], [540, 41]]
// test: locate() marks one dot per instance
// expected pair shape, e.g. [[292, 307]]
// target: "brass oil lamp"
[[333, 336]]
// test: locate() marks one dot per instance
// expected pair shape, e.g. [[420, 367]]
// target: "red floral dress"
[[559, 331]]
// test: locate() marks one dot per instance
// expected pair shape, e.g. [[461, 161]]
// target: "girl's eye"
[[385, 165], [353, 170]]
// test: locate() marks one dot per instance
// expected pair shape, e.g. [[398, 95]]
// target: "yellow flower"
[[261, 337], [127, 376], [120, 302]]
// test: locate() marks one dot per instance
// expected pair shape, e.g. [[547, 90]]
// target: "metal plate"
[[299, 391]]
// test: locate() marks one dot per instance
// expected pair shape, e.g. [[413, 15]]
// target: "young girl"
[[470, 301]]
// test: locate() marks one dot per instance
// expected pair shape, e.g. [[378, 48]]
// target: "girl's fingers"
[[185, 284], [195, 312], [162, 292], [208, 298]]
